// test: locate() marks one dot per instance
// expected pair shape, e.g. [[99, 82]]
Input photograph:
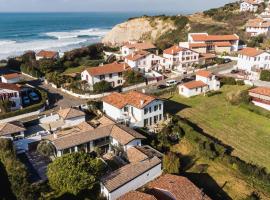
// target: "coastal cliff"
[[142, 28]]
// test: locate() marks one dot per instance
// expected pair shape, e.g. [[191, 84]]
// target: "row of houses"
[[250, 5]]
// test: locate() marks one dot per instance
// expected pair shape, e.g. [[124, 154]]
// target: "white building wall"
[[16, 99], [134, 184], [14, 80], [186, 92], [244, 6], [262, 105], [255, 31], [111, 111], [74, 121]]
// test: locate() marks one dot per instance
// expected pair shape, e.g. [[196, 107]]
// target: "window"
[[145, 111], [155, 107], [119, 81], [125, 109], [150, 121], [159, 106], [110, 75], [120, 74], [160, 117], [102, 77], [155, 119], [145, 122], [150, 109]]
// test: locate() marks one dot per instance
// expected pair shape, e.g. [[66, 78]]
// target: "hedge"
[[28, 109]]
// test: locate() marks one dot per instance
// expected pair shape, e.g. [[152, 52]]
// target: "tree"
[[102, 86], [265, 75], [46, 148], [133, 77], [171, 163], [74, 172], [253, 196]]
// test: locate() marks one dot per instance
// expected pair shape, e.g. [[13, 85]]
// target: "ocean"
[[20, 32]]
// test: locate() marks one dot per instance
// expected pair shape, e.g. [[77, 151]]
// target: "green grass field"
[[75, 70], [246, 132]]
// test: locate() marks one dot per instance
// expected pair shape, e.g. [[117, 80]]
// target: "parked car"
[[26, 100], [171, 83], [161, 86], [33, 96], [234, 71], [227, 60]]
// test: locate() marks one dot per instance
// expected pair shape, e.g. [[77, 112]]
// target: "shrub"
[[171, 163], [102, 86], [238, 97], [133, 77], [265, 75], [227, 81]]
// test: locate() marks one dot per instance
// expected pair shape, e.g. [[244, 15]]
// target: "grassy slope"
[[245, 131]]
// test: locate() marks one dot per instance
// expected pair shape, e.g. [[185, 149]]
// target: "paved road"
[[57, 98]]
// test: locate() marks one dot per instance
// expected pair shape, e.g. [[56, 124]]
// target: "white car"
[[171, 83]]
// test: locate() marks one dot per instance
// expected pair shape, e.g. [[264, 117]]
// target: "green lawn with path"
[[246, 132]]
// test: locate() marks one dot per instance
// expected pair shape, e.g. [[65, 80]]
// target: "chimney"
[[132, 54], [142, 102], [157, 52], [54, 135], [101, 64]]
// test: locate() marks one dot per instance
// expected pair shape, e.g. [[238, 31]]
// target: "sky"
[[108, 5]]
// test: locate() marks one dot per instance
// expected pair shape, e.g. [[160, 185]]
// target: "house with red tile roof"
[[47, 55], [252, 61], [145, 61], [133, 46], [11, 78], [112, 73], [205, 82], [180, 58], [173, 187], [260, 96], [11, 92], [214, 43], [257, 26], [250, 5], [134, 108]]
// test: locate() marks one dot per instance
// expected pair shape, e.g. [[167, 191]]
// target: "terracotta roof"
[[135, 195], [206, 37], [207, 55], [141, 46], [74, 137], [47, 54], [127, 173], [194, 45], [179, 187], [261, 90], [9, 86], [258, 23], [137, 55], [223, 44], [135, 155], [108, 69], [204, 73], [173, 50], [134, 98], [11, 76], [251, 52], [194, 84], [124, 135], [10, 128], [69, 113]]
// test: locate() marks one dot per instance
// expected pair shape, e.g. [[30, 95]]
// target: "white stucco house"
[[134, 108], [205, 82], [11, 92], [214, 43], [145, 61], [10, 78], [180, 58], [252, 61], [258, 26], [260, 96], [132, 46], [112, 73], [130, 177], [250, 5]]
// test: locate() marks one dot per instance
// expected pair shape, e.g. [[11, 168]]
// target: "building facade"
[[11, 92]]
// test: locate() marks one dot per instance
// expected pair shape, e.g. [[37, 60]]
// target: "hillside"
[[165, 31]]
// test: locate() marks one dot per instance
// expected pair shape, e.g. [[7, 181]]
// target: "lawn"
[[246, 132], [75, 70]]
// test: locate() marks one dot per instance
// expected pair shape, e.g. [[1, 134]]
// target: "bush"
[[265, 75], [228, 81], [102, 86], [133, 77], [16, 171], [238, 97], [171, 163], [74, 172]]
